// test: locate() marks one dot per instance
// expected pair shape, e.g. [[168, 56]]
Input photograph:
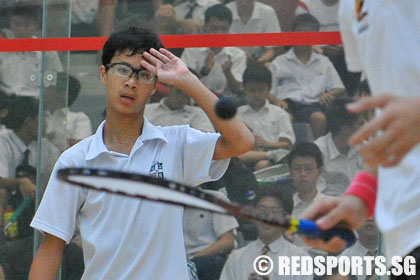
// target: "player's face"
[[272, 206], [305, 173], [126, 94], [256, 94]]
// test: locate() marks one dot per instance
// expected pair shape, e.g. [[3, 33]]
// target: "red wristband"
[[364, 186]]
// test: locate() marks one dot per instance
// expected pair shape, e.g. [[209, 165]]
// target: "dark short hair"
[[133, 39], [306, 149], [27, 10], [306, 20], [73, 86], [338, 115], [257, 73], [22, 107], [218, 11], [282, 194]]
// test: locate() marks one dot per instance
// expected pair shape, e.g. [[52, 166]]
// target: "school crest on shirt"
[[156, 170]]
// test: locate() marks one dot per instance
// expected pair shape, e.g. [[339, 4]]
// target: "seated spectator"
[[24, 79], [174, 109], [305, 82], [209, 238], [220, 69], [341, 162], [18, 148], [270, 124], [250, 16], [325, 11], [64, 128], [305, 165], [366, 245], [194, 10], [271, 242]]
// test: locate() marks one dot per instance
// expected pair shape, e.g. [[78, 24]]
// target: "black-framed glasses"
[[126, 71]]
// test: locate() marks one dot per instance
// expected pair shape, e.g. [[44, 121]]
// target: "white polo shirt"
[[339, 169], [160, 114], [270, 122], [303, 83], [195, 58], [127, 238], [182, 9], [326, 15], [385, 43], [12, 149], [203, 228], [67, 124], [263, 20], [239, 264]]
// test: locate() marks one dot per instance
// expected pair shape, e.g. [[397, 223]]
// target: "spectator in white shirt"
[[250, 16], [194, 10], [270, 240], [209, 238], [65, 128], [270, 124], [174, 109], [220, 69], [341, 161], [305, 82], [325, 11], [24, 79]]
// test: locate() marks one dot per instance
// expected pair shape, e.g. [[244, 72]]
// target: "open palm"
[[167, 67]]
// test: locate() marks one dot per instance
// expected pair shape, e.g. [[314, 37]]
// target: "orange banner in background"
[[178, 41]]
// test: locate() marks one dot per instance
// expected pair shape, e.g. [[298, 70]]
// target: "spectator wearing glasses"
[[270, 242]]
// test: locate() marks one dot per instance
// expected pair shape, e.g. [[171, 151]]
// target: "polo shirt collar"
[[256, 12], [265, 108], [334, 153], [275, 246], [290, 55], [150, 132]]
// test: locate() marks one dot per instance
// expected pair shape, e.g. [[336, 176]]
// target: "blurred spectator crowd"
[[292, 98]]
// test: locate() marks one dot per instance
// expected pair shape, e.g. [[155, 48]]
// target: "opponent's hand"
[[400, 123], [349, 211], [26, 187], [167, 67]]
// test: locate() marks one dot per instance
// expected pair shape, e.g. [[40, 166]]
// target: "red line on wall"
[[178, 41]]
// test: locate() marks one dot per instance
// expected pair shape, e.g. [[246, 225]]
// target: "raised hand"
[[167, 67]]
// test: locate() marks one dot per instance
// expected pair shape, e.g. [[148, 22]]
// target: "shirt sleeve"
[[273, 25], [56, 215], [285, 127], [333, 79], [347, 15], [198, 151]]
